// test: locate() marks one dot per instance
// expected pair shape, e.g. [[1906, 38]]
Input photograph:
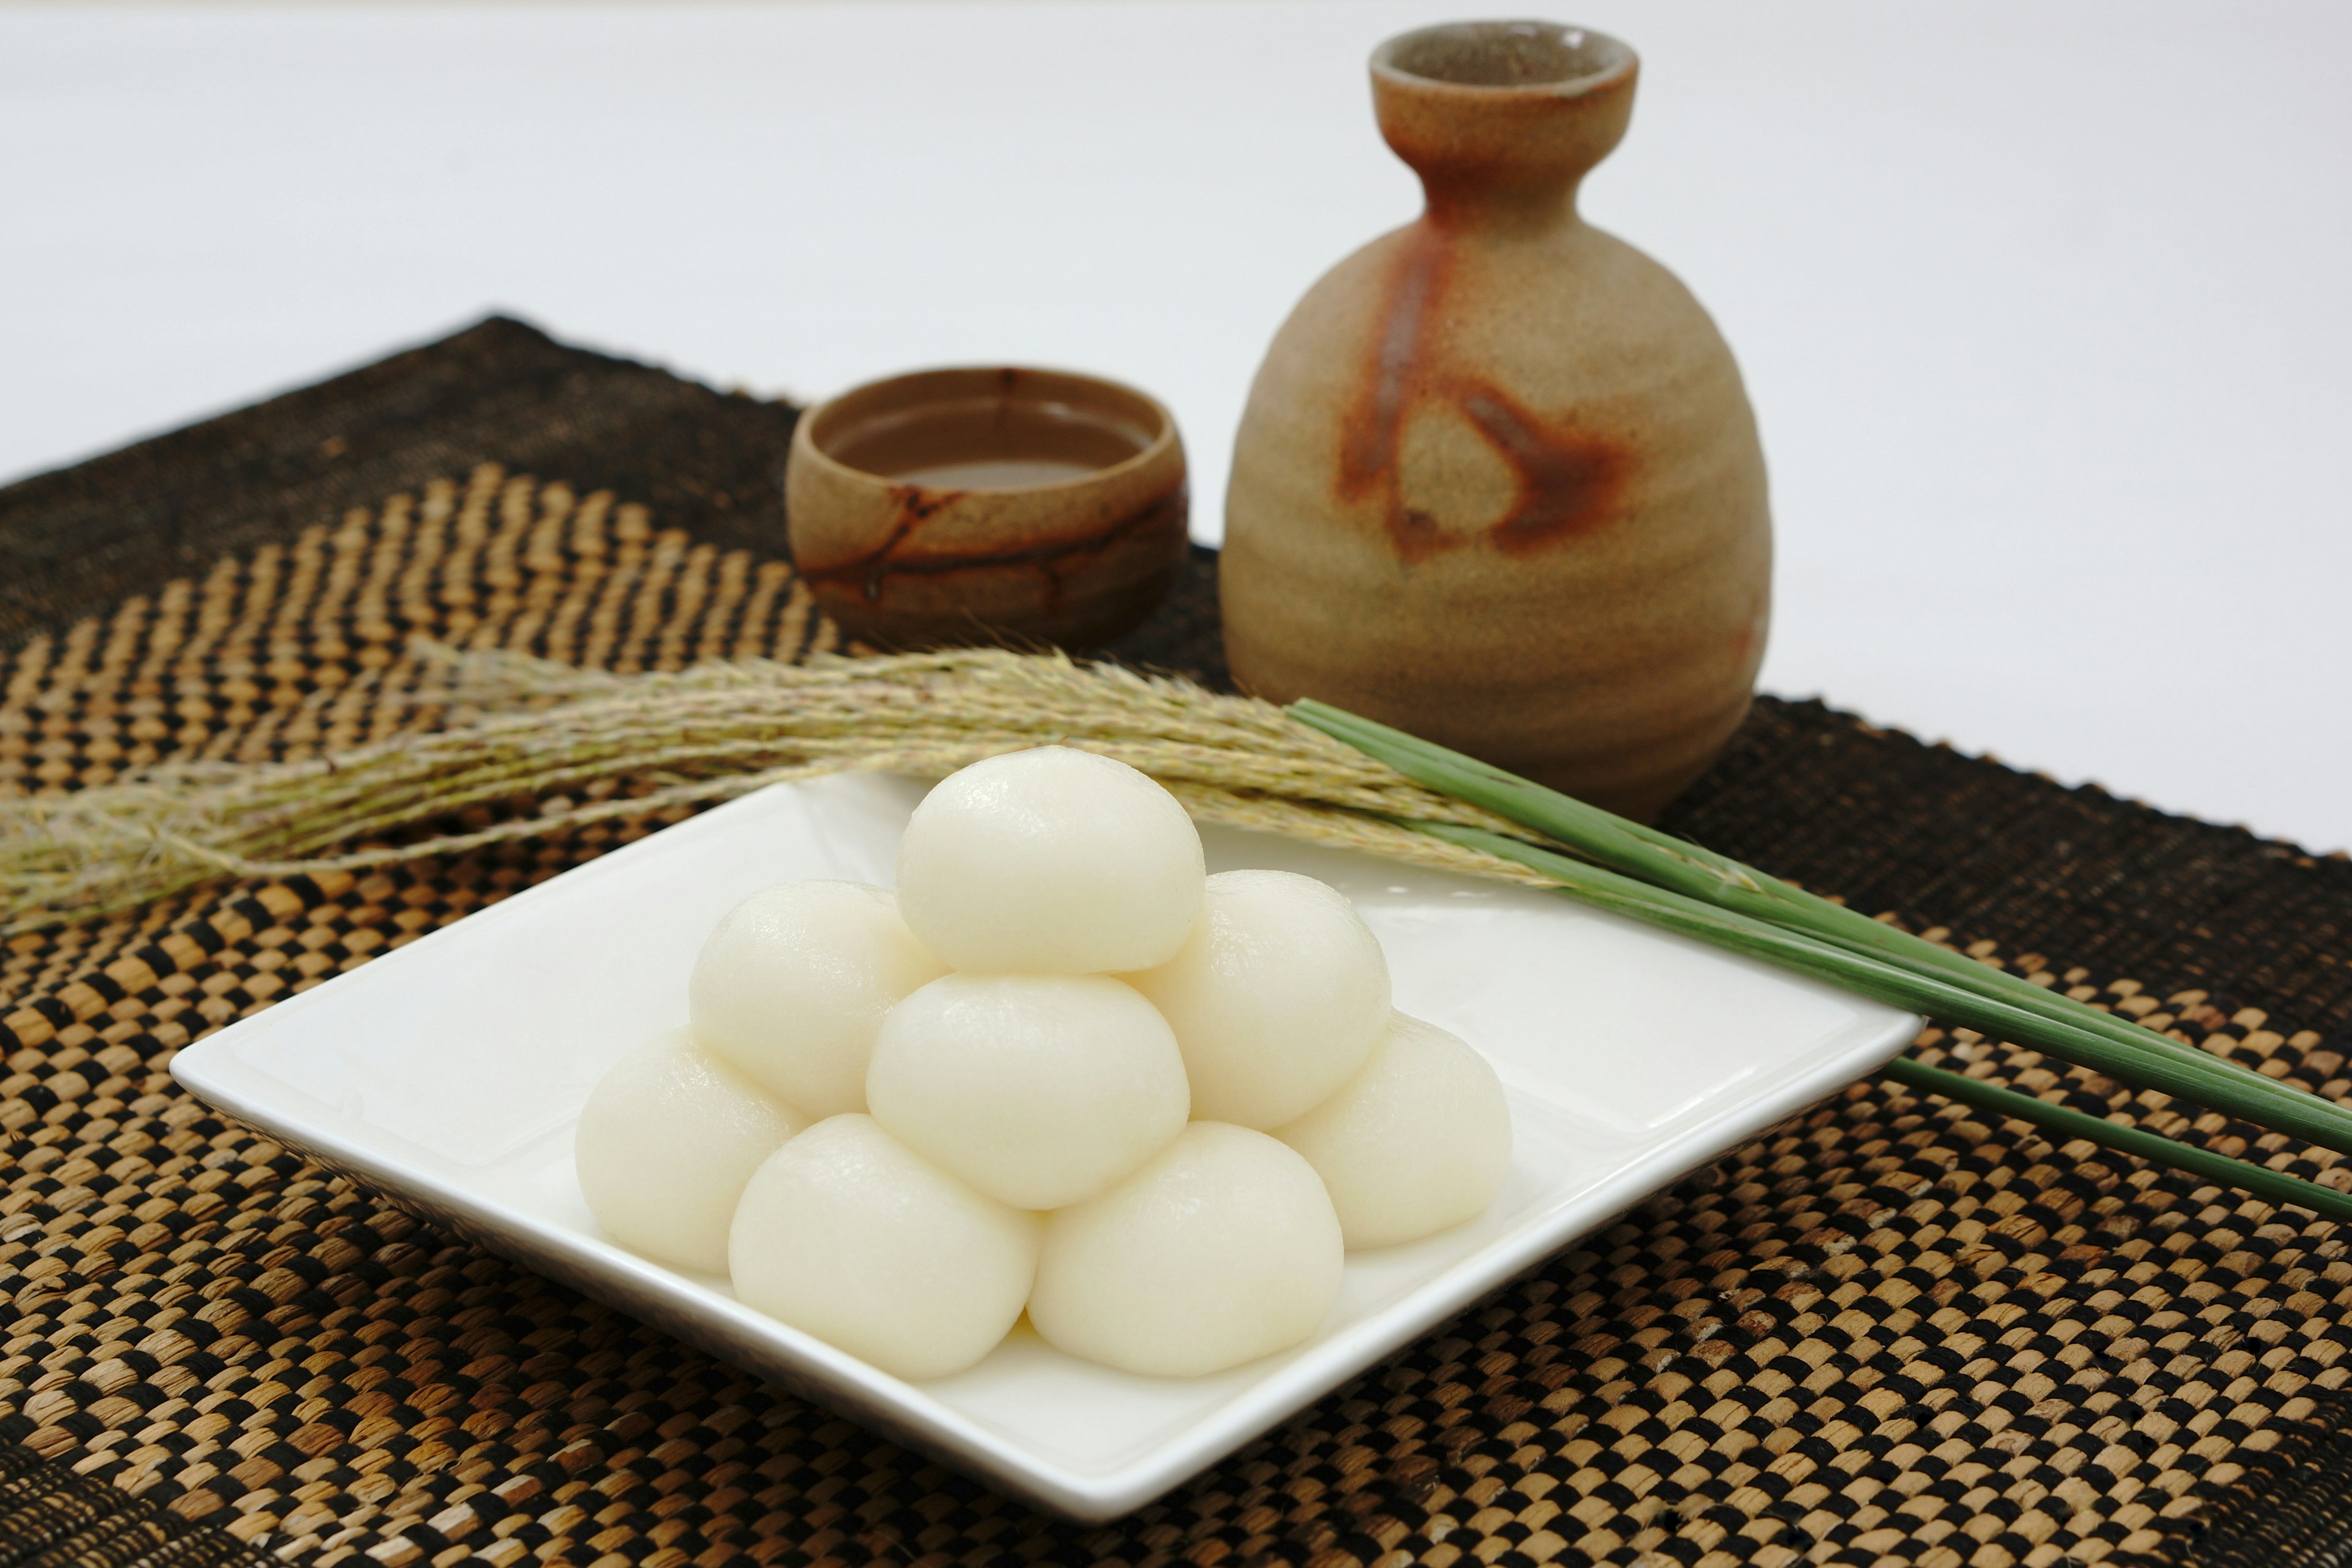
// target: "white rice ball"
[[1050, 861], [793, 984], [1275, 997], [1223, 1249], [663, 1147], [1038, 1089], [846, 1234], [1419, 1140]]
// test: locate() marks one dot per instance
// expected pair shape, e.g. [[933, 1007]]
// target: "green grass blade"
[[1688, 869], [2259, 1179], [1714, 879], [2202, 1081]]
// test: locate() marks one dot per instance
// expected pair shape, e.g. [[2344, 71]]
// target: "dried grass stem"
[[563, 748]]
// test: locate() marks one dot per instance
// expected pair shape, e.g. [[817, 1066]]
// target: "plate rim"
[[822, 1374]]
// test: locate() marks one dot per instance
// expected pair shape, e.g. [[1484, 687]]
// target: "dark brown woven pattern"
[[49, 1514], [1891, 823], [2300, 1518], [77, 541], [1887, 1332]]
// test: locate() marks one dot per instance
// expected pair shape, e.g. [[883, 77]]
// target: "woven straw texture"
[[1889, 1330]]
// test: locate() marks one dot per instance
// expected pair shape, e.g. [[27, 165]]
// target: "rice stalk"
[[557, 748]]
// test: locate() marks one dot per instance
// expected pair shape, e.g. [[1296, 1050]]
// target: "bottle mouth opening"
[[1548, 55]]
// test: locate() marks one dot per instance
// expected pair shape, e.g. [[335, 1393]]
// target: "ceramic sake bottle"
[[1499, 483]]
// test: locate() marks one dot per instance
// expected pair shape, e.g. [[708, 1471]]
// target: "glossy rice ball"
[[1220, 1251], [1050, 861], [1038, 1089], [1275, 997], [793, 984], [665, 1145], [846, 1234], [1419, 1140]]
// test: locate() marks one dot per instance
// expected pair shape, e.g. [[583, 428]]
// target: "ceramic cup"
[[987, 505]]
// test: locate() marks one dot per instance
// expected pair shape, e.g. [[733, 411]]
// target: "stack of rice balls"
[[1064, 1070]]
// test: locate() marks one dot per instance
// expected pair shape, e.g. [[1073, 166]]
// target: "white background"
[[2046, 308]]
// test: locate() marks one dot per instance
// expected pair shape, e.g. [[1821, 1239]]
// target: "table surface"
[[2042, 309]]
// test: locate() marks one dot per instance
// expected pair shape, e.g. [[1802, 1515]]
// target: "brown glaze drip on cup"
[[1066, 526]]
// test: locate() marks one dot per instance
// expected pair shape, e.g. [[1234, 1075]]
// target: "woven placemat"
[[1888, 1331]]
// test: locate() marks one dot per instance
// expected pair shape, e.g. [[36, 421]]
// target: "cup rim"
[[1621, 60], [1164, 436]]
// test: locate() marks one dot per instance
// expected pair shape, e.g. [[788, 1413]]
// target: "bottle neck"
[[1504, 208], [1502, 120]]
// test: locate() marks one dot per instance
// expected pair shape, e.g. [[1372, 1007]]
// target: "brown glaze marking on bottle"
[[1568, 482], [1497, 482], [1374, 432]]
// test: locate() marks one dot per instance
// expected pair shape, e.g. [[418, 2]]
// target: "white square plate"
[[450, 1072]]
